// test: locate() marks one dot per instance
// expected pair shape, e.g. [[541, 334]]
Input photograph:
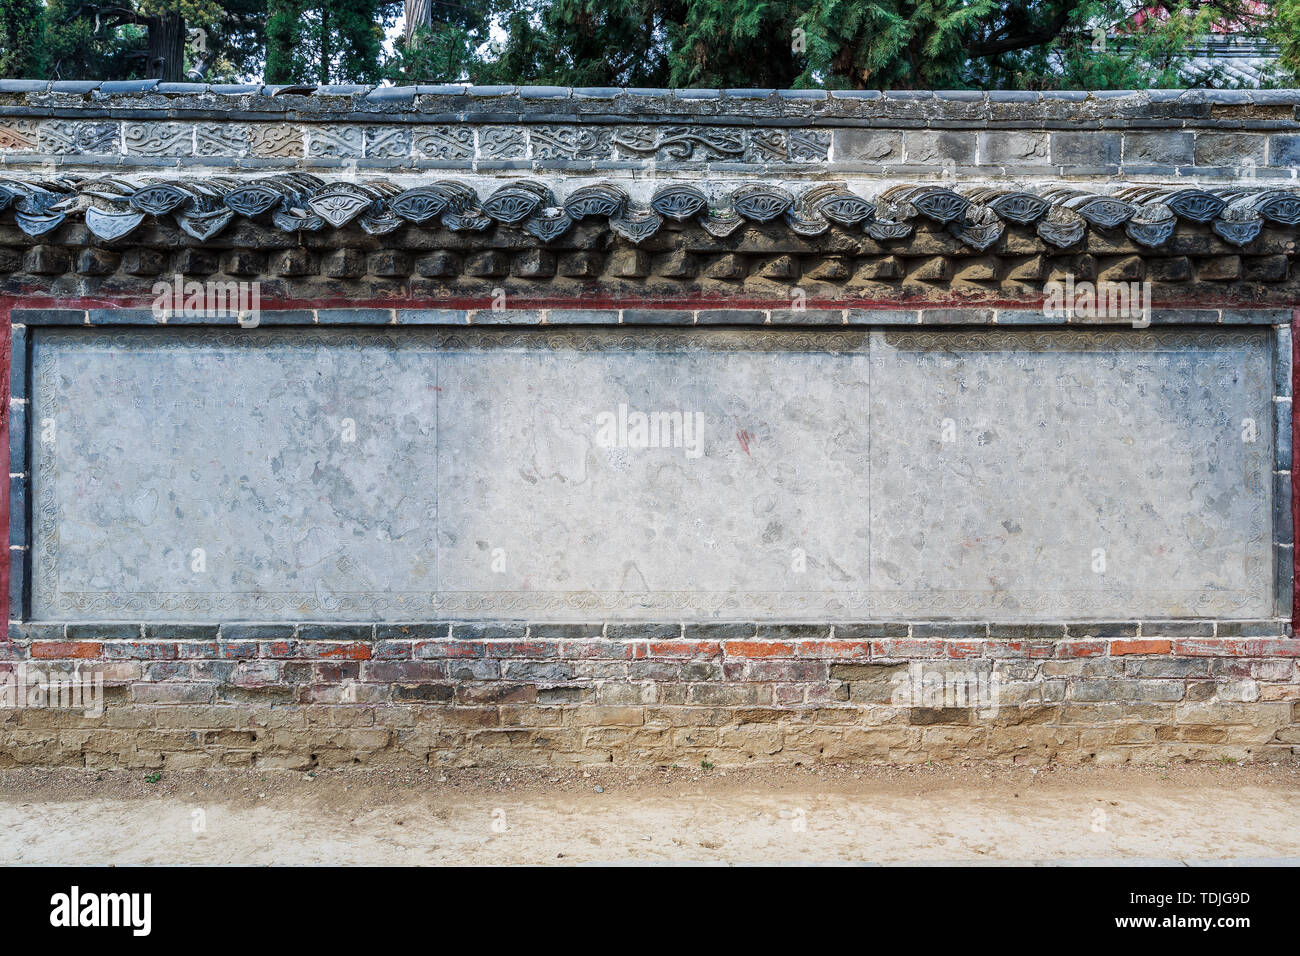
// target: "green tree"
[[138, 39], [22, 51], [326, 41]]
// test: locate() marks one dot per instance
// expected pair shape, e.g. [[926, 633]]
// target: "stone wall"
[[770, 259]]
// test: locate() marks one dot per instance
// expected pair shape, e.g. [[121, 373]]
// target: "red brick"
[[759, 649], [1084, 648], [351, 651], [839, 650], [59, 650], [925, 647], [1120, 648], [689, 649]]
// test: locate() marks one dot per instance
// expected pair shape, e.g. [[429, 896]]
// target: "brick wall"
[[457, 694]]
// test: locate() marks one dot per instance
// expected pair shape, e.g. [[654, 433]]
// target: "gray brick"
[[1086, 149], [720, 631], [658, 317], [412, 632], [1283, 522], [565, 632], [1252, 628], [1231, 149], [354, 316], [884, 316], [432, 317], [643, 632], [868, 630], [1282, 362], [1284, 150], [1282, 429], [956, 316], [488, 632], [871, 146], [583, 316], [18, 438], [1177, 667], [932, 148], [1177, 628], [793, 632], [336, 632], [103, 632], [807, 316], [256, 632], [956, 630], [18, 362], [1027, 632], [1159, 149], [537, 670], [181, 632], [48, 316], [730, 317], [1102, 629], [1017, 147], [18, 512]]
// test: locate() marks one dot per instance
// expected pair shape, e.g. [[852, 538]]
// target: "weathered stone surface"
[[1132, 440]]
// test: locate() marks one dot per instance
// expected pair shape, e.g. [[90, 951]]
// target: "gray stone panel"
[[479, 485]]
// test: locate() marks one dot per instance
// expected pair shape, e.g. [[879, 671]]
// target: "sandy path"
[[880, 815]]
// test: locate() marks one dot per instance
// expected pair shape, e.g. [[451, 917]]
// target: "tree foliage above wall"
[[853, 44]]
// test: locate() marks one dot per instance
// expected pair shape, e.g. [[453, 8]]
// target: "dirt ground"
[[961, 814]]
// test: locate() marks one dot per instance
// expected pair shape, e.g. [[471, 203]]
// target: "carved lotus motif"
[[420, 204], [1281, 207], [721, 225], [511, 204], [549, 224], [882, 230], [678, 202], [160, 198], [339, 206], [1020, 207], [465, 221], [1195, 204], [636, 228], [1152, 225], [844, 209], [1105, 212], [1239, 233], [761, 203], [941, 205], [979, 228], [1062, 227], [598, 200], [253, 200]]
